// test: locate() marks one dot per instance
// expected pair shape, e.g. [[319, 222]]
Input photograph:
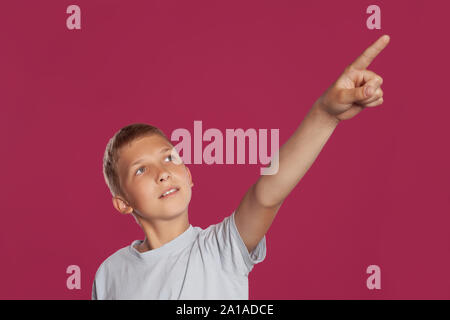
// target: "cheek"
[[141, 188], [185, 174]]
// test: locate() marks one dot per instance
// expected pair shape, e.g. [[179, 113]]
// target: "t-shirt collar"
[[177, 243]]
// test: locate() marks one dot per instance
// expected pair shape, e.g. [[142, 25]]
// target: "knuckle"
[[380, 80], [380, 93]]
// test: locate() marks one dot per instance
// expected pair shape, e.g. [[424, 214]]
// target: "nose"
[[163, 175]]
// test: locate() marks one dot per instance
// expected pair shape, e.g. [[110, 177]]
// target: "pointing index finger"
[[366, 58]]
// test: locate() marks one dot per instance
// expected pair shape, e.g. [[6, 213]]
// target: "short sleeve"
[[98, 283], [231, 250], [94, 292]]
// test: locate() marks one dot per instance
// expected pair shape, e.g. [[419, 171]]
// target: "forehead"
[[147, 146]]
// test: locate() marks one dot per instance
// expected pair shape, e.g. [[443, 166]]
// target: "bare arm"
[[296, 156], [356, 89], [261, 202]]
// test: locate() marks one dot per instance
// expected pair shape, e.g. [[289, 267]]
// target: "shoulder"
[[218, 227], [220, 233], [113, 261]]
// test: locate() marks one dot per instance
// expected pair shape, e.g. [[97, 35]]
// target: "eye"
[[139, 169], [169, 156]]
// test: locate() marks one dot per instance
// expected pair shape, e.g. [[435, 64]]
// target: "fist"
[[357, 87]]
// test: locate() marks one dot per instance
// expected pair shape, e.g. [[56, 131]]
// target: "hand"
[[357, 87]]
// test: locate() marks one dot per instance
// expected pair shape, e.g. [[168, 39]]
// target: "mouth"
[[169, 192]]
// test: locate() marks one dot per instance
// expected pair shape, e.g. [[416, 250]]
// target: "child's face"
[[143, 183]]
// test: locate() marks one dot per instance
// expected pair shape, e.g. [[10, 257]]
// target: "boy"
[[179, 261]]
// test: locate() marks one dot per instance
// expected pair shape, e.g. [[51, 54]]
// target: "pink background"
[[377, 194]]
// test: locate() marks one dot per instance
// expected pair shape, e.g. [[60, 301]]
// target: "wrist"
[[321, 112]]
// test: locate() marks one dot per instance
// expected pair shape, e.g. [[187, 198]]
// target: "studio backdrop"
[[369, 220]]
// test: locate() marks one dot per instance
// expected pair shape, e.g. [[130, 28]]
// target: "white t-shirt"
[[198, 264]]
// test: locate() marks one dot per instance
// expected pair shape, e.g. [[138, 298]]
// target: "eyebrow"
[[142, 159]]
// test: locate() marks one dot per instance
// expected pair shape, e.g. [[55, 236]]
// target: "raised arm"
[[354, 90]]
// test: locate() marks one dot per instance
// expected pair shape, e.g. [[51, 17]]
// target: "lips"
[[168, 189]]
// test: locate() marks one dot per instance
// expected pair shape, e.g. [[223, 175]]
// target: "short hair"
[[125, 136]]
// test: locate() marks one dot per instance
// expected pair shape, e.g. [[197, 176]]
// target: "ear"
[[190, 176], [121, 205]]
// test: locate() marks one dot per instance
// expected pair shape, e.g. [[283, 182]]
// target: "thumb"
[[357, 94]]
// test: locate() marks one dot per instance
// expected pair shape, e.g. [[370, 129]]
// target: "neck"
[[159, 232]]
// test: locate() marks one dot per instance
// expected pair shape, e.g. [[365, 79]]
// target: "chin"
[[174, 210]]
